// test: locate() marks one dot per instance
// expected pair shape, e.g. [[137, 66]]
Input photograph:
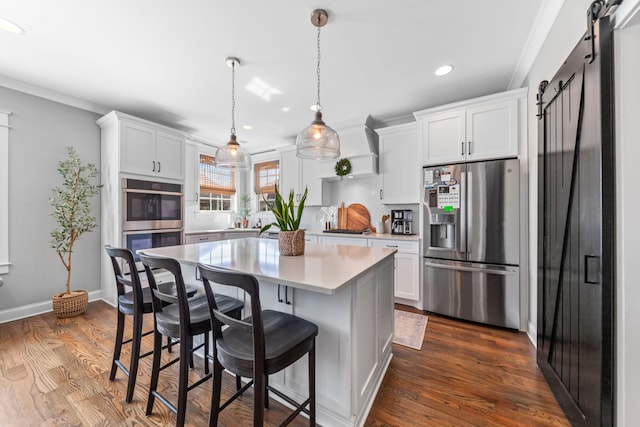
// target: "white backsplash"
[[365, 191]]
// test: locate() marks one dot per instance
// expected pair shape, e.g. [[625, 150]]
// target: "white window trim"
[[4, 192]]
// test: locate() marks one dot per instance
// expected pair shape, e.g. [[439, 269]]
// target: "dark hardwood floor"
[[55, 372]]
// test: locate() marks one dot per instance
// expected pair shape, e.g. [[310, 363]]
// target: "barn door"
[[576, 231]]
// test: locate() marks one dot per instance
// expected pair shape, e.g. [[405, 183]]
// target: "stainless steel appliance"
[[147, 239], [402, 221], [150, 205], [471, 241], [152, 215]]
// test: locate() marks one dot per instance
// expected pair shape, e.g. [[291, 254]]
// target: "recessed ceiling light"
[[10, 27], [247, 127], [286, 109], [444, 70]]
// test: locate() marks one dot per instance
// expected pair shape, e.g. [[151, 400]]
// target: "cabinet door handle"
[[197, 196], [391, 246], [462, 148], [286, 295], [381, 194], [469, 148], [154, 166], [158, 166], [279, 299]]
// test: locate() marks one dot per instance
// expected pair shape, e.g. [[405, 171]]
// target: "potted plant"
[[245, 210], [291, 239], [72, 211]]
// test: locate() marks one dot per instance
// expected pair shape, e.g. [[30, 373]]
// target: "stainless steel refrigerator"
[[471, 241]]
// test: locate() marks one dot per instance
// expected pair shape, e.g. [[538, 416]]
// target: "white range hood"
[[359, 144]]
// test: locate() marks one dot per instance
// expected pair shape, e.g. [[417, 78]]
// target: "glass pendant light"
[[232, 155], [318, 141]]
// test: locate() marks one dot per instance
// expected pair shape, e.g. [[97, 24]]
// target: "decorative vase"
[[70, 304], [291, 242]]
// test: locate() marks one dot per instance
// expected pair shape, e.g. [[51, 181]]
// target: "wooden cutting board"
[[357, 218]]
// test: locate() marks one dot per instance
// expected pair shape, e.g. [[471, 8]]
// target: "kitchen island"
[[346, 290]]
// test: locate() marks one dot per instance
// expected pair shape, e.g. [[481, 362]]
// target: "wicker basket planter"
[[70, 304], [291, 242]]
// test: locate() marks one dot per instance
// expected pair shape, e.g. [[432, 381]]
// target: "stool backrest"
[[162, 300], [125, 281], [247, 283]]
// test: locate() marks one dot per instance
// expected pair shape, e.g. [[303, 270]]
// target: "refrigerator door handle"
[[463, 213], [505, 272], [469, 198]]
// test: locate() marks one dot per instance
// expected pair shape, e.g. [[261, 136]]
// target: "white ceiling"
[[165, 60]]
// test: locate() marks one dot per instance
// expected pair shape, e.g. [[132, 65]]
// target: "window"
[[4, 192], [267, 175], [217, 185]]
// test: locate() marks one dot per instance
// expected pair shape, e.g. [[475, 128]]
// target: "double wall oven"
[[152, 214]]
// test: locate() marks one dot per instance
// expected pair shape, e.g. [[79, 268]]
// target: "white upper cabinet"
[[145, 148], [400, 163], [477, 129], [297, 174]]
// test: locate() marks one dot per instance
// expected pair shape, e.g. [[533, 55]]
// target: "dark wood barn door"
[[576, 230]]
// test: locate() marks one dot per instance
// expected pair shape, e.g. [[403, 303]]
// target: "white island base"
[[346, 290]]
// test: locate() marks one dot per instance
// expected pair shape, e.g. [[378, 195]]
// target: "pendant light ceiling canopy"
[[232, 155], [318, 141]]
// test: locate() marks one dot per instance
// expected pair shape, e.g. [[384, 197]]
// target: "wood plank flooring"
[[55, 372]]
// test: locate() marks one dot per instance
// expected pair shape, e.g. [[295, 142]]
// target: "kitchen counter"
[[321, 269], [220, 230], [346, 290], [385, 236]]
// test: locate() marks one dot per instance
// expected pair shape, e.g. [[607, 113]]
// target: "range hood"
[[359, 144]]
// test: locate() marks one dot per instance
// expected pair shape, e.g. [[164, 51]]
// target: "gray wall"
[[40, 132]]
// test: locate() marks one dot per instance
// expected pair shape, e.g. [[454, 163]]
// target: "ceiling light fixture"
[[318, 141], [10, 27], [444, 70], [232, 155]]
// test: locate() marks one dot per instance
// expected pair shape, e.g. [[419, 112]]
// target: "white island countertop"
[[324, 268]]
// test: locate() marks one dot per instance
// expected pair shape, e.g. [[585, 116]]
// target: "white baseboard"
[[34, 309]]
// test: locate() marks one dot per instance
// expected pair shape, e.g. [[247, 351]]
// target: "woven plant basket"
[[291, 242], [69, 305]]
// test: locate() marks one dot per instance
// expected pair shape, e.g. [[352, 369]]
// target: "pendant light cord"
[[318, 106], [233, 97]]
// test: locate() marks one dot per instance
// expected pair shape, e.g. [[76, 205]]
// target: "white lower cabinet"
[[201, 238], [310, 239], [214, 236], [407, 272], [334, 240]]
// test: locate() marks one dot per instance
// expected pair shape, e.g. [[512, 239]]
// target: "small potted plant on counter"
[[245, 210], [72, 211], [291, 238]]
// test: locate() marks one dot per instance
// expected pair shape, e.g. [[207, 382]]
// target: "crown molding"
[[52, 95], [546, 17]]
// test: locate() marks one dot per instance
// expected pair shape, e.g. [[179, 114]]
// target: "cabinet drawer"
[[401, 245], [201, 238], [335, 240]]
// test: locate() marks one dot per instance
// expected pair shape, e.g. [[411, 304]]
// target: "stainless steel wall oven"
[[150, 205], [152, 215]]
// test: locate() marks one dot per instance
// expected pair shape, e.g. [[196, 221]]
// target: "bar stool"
[[256, 347], [182, 318], [134, 301]]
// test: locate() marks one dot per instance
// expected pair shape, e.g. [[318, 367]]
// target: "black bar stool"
[[257, 346], [135, 301], [182, 318]]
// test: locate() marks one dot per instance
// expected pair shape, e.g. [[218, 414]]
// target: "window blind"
[[267, 175], [215, 180]]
